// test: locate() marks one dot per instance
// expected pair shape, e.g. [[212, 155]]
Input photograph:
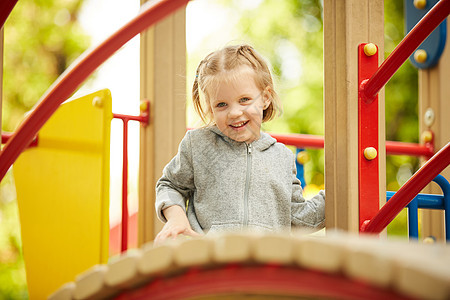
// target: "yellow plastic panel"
[[63, 194]]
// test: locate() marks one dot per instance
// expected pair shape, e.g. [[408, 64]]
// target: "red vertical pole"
[[124, 245], [367, 136]]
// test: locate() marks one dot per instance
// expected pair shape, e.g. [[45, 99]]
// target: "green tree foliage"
[[42, 38]]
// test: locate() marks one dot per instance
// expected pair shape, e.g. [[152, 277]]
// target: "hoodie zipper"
[[247, 182]]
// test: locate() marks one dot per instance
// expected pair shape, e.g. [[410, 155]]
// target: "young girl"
[[229, 175]]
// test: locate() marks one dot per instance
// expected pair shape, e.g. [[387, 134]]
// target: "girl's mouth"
[[239, 125]]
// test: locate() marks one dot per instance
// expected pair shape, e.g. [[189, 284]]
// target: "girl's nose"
[[235, 111]]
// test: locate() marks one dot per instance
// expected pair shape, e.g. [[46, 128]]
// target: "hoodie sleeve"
[[177, 182], [306, 213]]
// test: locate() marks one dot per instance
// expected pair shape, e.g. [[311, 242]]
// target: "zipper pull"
[[249, 147]]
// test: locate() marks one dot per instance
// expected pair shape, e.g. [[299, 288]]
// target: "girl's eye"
[[244, 99], [221, 104]]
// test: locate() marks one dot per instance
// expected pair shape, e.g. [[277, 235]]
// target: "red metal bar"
[[408, 191], [7, 135], [406, 47], [143, 118], [401, 148], [317, 142], [124, 245], [368, 171], [66, 84], [6, 6], [300, 140]]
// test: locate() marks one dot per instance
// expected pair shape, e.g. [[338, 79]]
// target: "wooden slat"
[[65, 292], [232, 248], [194, 252], [123, 272], [91, 284], [273, 249], [156, 260], [323, 254]]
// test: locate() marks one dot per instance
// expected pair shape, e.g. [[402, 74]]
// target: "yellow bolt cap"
[[427, 136], [302, 157], [370, 153], [370, 49], [97, 102], [420, 4], [143, 106], [420, 56]]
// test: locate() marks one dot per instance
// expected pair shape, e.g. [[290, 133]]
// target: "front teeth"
[[238, 125]]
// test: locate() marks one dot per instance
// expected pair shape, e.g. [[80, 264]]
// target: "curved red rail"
[[232, 281], [6, 6], [66, 84], [408, 191], [406, 47]]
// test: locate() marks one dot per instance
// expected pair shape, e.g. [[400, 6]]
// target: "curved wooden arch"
[[340, 266]]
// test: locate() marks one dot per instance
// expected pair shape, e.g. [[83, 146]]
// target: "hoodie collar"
[[264, 141]]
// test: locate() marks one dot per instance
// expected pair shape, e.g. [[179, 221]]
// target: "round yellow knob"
[[302, 157], [420, 4], [429, 240], [420, 56], [427, 136], [370, 49], [97, 102], [370, 153], [143, 106]]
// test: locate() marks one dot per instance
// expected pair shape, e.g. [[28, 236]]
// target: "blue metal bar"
[[300, 168], [428, 201], [413, 219]]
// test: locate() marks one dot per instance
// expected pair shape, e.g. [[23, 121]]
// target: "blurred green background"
[[43, 37]]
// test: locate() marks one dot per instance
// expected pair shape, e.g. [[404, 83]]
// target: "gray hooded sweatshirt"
[[227, 185]]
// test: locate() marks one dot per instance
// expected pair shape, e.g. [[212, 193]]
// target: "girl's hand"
[[177, 224]]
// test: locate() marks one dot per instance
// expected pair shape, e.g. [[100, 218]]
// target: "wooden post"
[[163, 83], [347, 23], [434, 93]]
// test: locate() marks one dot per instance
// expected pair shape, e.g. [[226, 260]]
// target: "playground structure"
[[344, 155]]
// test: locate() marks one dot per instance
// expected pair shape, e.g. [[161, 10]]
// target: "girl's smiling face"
[[237, 105]]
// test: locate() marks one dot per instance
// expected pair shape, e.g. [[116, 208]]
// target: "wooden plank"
[[123, 272], [232, 248], [65, 292], [323, 254], [434, 92], [194, 252], [91, 284], [273, 249], [163, 64], [346, 24], [156, 260]]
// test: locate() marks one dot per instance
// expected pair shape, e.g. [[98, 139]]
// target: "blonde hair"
[[231, 58]]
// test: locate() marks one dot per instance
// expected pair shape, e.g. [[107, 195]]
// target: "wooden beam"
[[347, 23], [163, 83]]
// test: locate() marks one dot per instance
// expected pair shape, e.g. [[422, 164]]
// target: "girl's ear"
[[267, 98]]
